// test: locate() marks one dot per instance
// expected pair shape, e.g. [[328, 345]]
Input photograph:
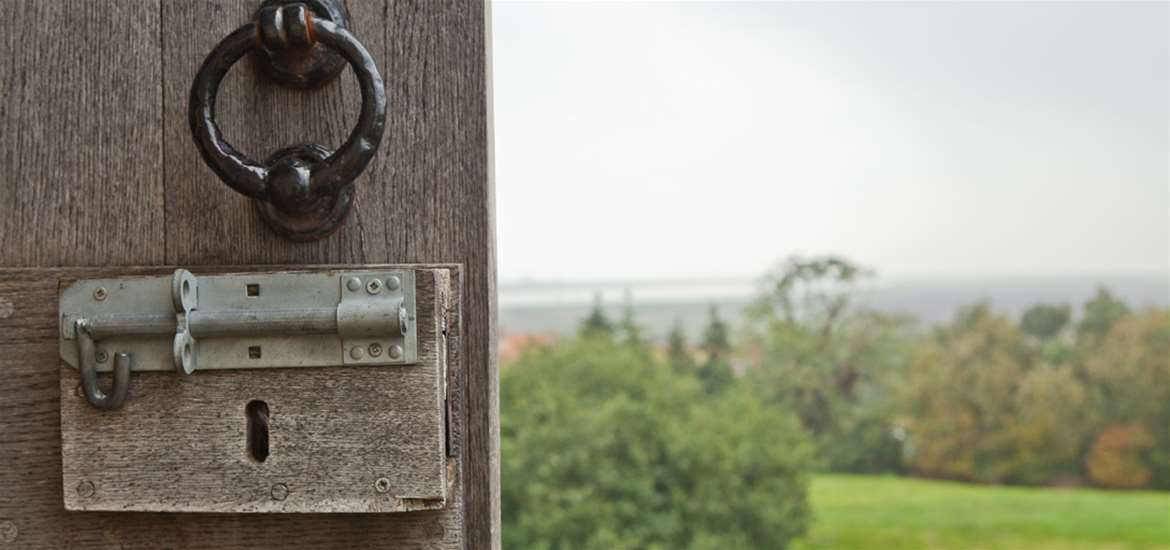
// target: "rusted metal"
[[304, 192]]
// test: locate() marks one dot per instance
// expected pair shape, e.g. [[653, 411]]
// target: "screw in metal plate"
[[279, 491], [374, 286], [356, 352], [86, 489], [395, 351], [375, 349], [100, 294], [353, 284], [393, 283], [382, 485], [102, 356]]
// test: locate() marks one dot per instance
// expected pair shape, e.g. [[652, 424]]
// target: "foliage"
[[806, 348], [1100, 314], [605, 447], [679, 352], [1115, 460], [871, 512], [1127, 375], [597, 324], [1045, 322], [715, 373]]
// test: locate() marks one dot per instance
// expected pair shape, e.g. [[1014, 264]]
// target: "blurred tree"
[[961, 398], [679, 352], [604, 448], [1045, 322], [806, 348], [1100, 314], [716, 371], [597, 324], [628, 327], [1116, 459], [1127, 374]]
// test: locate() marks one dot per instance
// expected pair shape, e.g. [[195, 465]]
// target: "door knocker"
[[304, 192]]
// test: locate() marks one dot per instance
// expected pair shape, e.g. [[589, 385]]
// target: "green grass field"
[[890, 512]]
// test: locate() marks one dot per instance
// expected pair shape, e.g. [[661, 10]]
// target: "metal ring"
[[306, 190]]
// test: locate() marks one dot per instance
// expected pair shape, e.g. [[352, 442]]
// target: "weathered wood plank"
[[30, 449], [80, 133], [179, 444]]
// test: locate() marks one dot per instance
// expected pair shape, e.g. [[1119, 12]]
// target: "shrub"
[[602, 447]]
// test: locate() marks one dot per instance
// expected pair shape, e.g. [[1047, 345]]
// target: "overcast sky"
[[685, 140]]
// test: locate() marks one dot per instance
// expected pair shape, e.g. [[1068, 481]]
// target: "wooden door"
[[98, 170]]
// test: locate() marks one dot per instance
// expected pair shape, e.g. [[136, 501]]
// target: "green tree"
[[1127, 374], [808, 348], [602, 447], [597, 324], [716, 370], [628, 327], [682, 361], [961, 395], [1045, 322], [1100, 313]]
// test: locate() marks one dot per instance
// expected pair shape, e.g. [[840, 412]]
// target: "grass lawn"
[[891, 512]]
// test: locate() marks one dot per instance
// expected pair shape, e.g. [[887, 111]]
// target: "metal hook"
[[87, 356]]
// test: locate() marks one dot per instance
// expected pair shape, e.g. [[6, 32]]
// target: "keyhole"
[[257, 413]]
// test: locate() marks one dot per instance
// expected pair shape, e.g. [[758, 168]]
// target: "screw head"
[[374, 286], [375, 349], [353, 284], [357, 352], [100, 294], [86, 489], [396, 351], [382, 485], [8, 531], [279, 491], [393, 283], [102, 356]]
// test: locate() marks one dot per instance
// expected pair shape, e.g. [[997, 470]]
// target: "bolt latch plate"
[[244, 321]]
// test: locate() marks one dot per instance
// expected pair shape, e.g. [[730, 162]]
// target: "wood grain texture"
[[80, 133], [132, 193], [179, 444]]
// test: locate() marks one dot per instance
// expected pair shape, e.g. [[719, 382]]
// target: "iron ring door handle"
[[304, 192]]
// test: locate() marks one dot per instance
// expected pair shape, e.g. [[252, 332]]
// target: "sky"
[[700, 140]]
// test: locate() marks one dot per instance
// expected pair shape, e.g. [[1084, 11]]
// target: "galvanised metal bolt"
[[86, 489], [279, 491], [100, 294], [353, 284], [382, 485], [375, 349], [395, 351], [393, 282], [102, 356], [374, 286], [356, 352]]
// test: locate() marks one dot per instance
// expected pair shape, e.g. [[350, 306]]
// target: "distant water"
[[558, 307]]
